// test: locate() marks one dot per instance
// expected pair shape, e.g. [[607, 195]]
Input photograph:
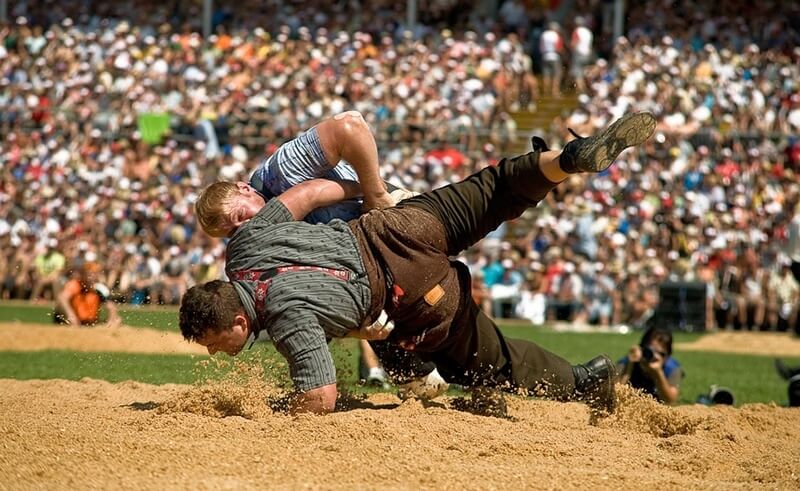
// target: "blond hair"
[[213, 208]]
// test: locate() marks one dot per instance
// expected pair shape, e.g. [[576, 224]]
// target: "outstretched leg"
[[477, 205], [472, 208], [469, 349]]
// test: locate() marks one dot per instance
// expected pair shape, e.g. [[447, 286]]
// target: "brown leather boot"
[[597, 152]]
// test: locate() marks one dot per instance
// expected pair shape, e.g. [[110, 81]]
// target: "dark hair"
[[208, 307], [658, 334]]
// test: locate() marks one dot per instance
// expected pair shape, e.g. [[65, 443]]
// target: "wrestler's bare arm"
[[307, 196], [347, 136]]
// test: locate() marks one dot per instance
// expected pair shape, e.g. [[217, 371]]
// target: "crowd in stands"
[[708, 199]]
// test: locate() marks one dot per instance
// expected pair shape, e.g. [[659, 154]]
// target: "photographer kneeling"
[[649, 366]]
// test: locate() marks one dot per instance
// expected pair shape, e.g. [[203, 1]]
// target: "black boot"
[[597, 152], [538, 144], [594, 384]]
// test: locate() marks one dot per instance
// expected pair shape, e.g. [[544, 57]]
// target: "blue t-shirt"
[[640, 381]]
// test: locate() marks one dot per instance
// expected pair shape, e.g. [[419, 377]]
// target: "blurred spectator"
[[176, 276], [752, 300], [598, 289], [48, 268], [493, 271], [19, 272], [794, 243], [783, 299], [143, 278], [636, 300], [505, 293], [512, 14], [649, 367], [551, 47], [565, 300], [532, 304], [480, 294], [581, 46], [728, 300], [80, 301], [713, 298]]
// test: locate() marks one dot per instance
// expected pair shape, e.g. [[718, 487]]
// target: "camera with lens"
[[647, 353]]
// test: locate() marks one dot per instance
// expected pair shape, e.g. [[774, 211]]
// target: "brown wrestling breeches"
[[407, 249]]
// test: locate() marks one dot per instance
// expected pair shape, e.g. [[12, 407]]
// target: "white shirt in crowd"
[[582, 39], [794, 238], [551, 45]]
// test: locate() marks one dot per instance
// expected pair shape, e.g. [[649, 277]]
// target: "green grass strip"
[[160, 318], [751, 378]]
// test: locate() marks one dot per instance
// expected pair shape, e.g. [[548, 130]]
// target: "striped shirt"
[[302, 308], [303, 159]]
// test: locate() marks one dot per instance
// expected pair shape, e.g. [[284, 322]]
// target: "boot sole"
[[599, 151]]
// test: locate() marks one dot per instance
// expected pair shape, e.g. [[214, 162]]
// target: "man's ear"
[[243, 322], [243, 187], [238, 216]]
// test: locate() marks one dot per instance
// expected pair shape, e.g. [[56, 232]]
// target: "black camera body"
[[647, 353]]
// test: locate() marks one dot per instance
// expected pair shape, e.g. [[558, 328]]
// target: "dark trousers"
[[429, 296]]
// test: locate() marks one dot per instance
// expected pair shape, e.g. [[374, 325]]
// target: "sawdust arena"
[[226, 434]]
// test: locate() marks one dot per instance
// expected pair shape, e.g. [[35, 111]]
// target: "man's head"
[[223, 206], [213, 316], [658, 340], [89, 273]]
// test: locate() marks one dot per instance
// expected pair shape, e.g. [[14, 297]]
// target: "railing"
[[382, 135], [454, 138]]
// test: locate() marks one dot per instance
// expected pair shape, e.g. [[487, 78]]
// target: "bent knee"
[[349, 114], [350, 121], [339, 131]]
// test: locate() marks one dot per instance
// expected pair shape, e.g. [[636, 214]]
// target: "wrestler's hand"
[[378, 201], [377, 331], [400, 194], [372, 332]]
